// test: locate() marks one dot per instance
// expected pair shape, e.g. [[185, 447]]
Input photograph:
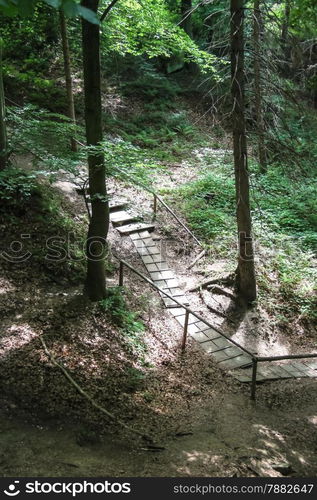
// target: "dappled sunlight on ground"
[[15, 336], [6, 286], [198, 412], [247, 334]]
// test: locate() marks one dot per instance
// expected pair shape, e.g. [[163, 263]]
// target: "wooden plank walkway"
[[134, 228], [227, 355], [272, 371], [122, 218], [157, 268]]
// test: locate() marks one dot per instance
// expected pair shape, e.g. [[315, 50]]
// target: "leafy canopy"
[[24, 8], [150, 28]]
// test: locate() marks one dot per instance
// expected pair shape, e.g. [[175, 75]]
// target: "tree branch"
[[108, 9], [89, 398]]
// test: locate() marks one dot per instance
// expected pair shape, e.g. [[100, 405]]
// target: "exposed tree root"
[[220, 291], [212, 309], [93, 402], [200, 256], [228, 280]]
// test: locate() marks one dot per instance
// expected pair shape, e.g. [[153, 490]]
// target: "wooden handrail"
[[187, 309], [254, 358], [287, 356], [160, 199], [157, 197]]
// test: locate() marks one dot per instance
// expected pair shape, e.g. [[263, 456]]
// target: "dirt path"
[[202, 417], [233, 437]]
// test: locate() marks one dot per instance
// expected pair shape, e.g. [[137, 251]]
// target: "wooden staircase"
[[223, 352]]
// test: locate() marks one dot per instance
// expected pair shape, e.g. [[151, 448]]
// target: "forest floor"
[[199, 414]]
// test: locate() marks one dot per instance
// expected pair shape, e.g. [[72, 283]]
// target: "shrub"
[[16, 186], [114, 305]]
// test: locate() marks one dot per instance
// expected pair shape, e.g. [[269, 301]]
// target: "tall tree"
[[246, 283], [258, 102], [68, 75], [285, 39], [186, 19], [99, 224], [3, 128], [285, 24]]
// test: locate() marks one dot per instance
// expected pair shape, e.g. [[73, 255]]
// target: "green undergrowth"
[[166, 133], [292, 143], [155, 129], [287, 279], [284, 218], [42, 91], [116, 308], [157, 118], [16, 188], [287, 205], [26, 207], [44, 137]]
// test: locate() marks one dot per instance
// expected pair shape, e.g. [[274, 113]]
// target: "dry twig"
[[228, 280], [89, 398]]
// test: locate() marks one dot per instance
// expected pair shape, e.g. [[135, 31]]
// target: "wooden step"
[[116, 205], [144, 243], [296, 369], [237, 362], [170, 303], [174, 292], [86, 192], [134, 228], [181, 318], [310, 369], [140, 236], [122, 218], [199, 336], [312, 364]]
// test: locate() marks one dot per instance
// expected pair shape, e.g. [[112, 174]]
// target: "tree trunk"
[[186, 19], [3, 127], [285, 25], [98, 228], [186, 24], [68, 75], [257, 30], [285, 41], [246, 284]]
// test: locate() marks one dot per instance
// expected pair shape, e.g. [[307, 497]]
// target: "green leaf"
[[88, 15], [54, 3], [26, 7], [70, 8]]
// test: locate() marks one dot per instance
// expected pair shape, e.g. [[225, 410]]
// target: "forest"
[[158, 238]]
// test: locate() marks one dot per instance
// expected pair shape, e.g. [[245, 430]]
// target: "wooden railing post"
[[121, 273], [185, 331], [154, 206], [253, 384]]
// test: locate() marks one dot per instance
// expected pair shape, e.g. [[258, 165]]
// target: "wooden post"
[[253, 384], [185, 331], [121, 273], [3, 127], [154, 207]]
